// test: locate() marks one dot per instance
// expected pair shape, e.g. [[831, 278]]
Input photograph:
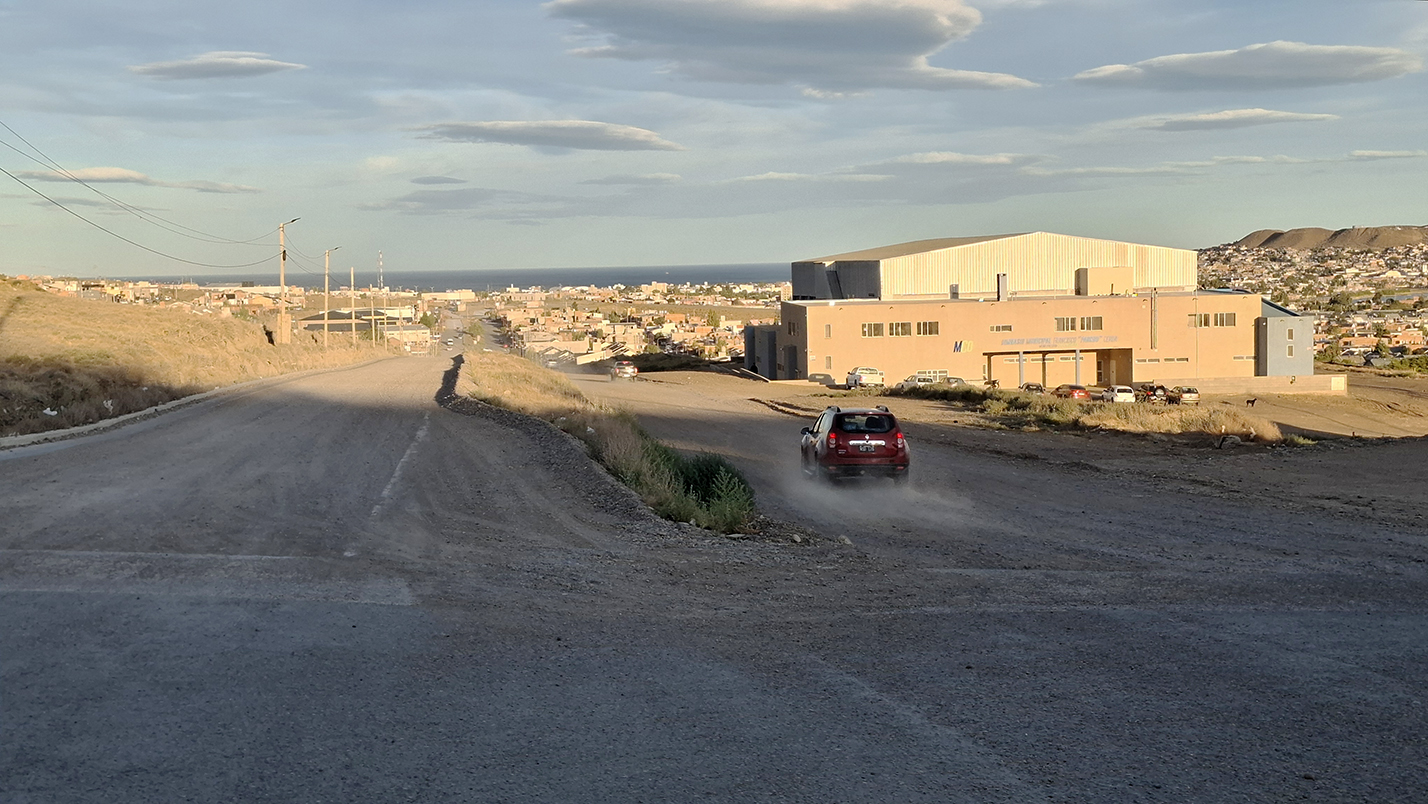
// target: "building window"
[[828, 362], [1066, 323], [900, 329], [1090, 322], [1227, 320], [793, 327], [1001, 328], [1290, 333], [827, 330], [872, 330], [1291, 350], [1199, 320], [929, 328]]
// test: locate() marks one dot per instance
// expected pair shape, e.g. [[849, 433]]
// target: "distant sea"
[[500, 279]]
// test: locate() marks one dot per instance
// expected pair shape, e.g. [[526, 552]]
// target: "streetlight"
[[326, 291], [284, 326]]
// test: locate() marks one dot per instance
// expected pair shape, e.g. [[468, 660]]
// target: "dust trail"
[[386, 495]]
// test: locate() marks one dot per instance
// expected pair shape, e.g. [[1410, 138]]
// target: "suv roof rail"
[[835, 408], [883, 408]]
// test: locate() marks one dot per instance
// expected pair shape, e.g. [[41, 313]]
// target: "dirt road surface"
[[331, 588]]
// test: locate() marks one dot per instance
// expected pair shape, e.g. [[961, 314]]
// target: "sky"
[[494, 134]]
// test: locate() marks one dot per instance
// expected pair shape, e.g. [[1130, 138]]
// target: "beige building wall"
[[1040, 263], [1140, 338]]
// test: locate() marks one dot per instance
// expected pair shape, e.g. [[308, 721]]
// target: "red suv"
[[855, 442]]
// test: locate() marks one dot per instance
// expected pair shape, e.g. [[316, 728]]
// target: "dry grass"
[[70, 357], [703, 489], [1016, 409]]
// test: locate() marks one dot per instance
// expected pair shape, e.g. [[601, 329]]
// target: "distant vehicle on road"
[[1118, 393], [1033, 388], [854, 442], [624, 370], [1069, 391], [865, 375], [1183, 395]]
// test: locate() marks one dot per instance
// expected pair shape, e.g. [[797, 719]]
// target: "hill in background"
[[1358, 237]]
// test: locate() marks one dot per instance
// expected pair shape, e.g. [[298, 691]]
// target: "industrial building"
[[1033, 307]]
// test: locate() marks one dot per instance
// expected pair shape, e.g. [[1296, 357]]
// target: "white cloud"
[[828, 46], [636, 180], [1368, 155], [1273, 65], [822, 177], [479, 202], [114, 175], [216, 64], [954, 158], [1230, 118], [577, 134]]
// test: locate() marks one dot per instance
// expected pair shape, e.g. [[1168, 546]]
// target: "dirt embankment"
[[66, 362]]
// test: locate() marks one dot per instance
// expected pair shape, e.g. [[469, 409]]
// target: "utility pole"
[[352, 314], [327, 292], [285, 328], [382, 283]]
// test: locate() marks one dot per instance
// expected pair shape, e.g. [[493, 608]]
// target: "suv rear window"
[[863, 423]]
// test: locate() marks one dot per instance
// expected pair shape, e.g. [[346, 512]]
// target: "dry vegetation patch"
[[704, 489], [1016, 409], [66, 362]]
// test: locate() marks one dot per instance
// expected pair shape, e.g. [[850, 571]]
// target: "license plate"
[[867, 447]]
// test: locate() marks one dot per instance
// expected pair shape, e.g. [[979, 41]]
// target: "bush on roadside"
[[704, 488]]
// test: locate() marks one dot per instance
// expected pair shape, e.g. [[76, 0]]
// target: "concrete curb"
[[15, 442]]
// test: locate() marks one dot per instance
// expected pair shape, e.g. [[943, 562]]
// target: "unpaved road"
[[332, 589]]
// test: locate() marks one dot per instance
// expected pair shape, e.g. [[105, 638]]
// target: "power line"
[[122, 237], [46, 162]]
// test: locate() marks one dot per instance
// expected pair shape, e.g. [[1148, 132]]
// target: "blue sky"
[[456, 135]]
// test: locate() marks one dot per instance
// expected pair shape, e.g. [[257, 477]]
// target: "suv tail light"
[[901, 444], [832, 439]]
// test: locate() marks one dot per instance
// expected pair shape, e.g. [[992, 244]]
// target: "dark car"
[[855, 442], [1033, 388], [1149, 392], [624, 370], [1068, 391]]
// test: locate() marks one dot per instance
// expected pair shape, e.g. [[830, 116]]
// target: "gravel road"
[[331, 588]]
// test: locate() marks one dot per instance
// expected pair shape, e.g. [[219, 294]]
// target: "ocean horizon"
[[499, 279]]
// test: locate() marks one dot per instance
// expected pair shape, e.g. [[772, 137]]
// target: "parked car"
[[1183, 395], [623, 370], [865, 375], [1033, 388], [1069, 391], [927, 381], [854, 442], [1149, 392], [1118, 393]]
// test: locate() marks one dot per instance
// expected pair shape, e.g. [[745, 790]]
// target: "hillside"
[[66, 361], [1358, 237]]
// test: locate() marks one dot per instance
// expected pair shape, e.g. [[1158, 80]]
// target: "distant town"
[[1365, 301], [565, 324]]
